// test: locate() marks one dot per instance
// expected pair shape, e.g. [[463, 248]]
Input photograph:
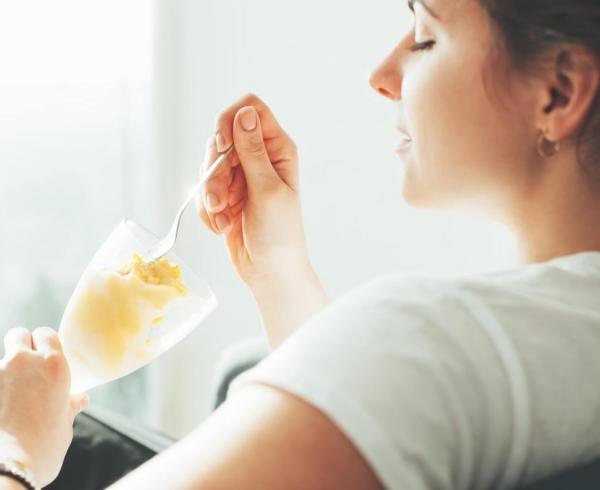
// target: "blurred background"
[[105, 110]]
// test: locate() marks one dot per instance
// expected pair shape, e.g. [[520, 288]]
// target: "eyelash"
[[426, 45]]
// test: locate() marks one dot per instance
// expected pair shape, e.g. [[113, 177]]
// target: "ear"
[[569, 91]]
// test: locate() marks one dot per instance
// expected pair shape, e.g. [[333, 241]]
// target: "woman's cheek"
[[433, 115], [424, 109]]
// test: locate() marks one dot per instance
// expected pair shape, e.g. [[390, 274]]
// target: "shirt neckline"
[[579, 262]]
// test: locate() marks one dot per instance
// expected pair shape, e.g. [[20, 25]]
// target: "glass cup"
[[119, 318]]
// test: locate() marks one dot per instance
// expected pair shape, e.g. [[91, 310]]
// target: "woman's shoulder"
[[418, 294], [575, 279]]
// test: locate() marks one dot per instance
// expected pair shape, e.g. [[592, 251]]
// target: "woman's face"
[[469, 148]]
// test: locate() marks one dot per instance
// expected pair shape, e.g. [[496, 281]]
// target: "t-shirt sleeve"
[[409, 377]]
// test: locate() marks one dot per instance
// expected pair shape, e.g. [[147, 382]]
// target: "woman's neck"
[[560, 215]]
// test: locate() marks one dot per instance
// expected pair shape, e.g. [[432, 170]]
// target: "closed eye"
[[425, 45]]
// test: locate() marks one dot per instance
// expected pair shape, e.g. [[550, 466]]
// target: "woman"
[[408, 382]]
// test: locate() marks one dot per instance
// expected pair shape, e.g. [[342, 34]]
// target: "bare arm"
[[254, 201], [286, 303], [7, 483], [261, 437]]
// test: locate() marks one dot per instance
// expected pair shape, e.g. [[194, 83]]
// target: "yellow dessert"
[[116, 310], [158, 273]]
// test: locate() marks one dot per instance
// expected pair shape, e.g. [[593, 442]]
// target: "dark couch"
[[105, 447]]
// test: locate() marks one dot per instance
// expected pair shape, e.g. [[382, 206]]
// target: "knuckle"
[[54, 364], [220, 118], [254, 146], [220, 122], [223, 119], [18, 360], [251, 97]]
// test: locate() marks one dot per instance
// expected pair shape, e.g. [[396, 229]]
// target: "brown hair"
[[534, 28]]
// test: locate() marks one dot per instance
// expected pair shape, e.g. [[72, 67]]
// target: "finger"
[[204, 217], [237, 199], [78, 403], [17, 339], [214, 193], [203, 213], [215, 190], [223, 220], [270, 126], [219, 223], [45, 340], [250, 147]]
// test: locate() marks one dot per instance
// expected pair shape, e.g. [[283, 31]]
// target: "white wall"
[[310, 61]]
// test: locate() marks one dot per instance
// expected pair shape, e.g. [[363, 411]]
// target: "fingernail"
[[212, 200], [222, 222], [248, 118], [221, 146]]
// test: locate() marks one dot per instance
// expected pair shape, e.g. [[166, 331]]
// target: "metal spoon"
[[168, 242]]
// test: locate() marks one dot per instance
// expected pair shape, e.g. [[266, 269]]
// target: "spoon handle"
[[168, 242]]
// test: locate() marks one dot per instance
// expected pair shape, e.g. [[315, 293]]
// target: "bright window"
[[74, 105]]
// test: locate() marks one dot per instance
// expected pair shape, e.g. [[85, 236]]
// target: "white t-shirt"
[[481, 381]]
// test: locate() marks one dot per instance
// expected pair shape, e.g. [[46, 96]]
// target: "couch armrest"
[[106, 447], [234, 360]]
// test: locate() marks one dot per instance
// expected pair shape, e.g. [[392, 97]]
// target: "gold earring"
[[547, 148]]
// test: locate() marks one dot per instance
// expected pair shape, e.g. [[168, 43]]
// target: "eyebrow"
[[411, 6]]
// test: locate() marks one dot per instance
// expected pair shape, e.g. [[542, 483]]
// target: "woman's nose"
[[387, 79]]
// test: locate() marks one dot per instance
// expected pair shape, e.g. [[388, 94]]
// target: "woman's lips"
[[404, 141]]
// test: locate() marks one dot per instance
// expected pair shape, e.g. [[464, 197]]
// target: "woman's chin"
[[414, 198], [418, 195], [412, 191], [432, 197], [419, 190]]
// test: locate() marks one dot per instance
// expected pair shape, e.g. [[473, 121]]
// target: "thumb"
[[79, 403], [251, 150]]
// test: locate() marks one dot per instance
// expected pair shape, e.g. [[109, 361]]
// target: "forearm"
[[287, 300]]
